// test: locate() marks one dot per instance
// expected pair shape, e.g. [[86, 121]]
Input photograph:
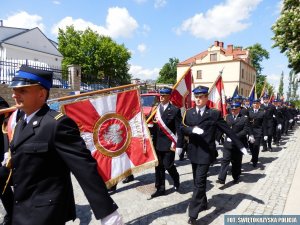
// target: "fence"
[[9, 68]]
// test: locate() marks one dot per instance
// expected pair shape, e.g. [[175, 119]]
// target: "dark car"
[[149, 100]]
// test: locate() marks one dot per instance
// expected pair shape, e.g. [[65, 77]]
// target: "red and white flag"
[[216, 96], [114, 130], [181, 94]]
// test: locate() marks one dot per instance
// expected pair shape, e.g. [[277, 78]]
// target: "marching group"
[[46, 147]]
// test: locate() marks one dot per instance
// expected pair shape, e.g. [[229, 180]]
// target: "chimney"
[[221, 44], [229, 48], [216, 44]]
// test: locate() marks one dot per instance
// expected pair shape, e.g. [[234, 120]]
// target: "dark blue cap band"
[[45, 83]]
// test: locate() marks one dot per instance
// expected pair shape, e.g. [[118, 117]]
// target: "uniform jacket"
[[202, 148], [258, 127], [172, 119], [43, 155], [240, 126], [270, 115]]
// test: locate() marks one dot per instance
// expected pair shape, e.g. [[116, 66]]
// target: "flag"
[[264, 91], [252, 94], [181, 94], [114, 130], [216, 96], [236, 91]]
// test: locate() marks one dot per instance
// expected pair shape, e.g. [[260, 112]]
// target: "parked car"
[[148, 101]]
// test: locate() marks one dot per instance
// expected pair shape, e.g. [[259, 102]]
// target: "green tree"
[[280, 88], [293, 87], [287, 32], [99, 56], [168, 73], [257, 54]]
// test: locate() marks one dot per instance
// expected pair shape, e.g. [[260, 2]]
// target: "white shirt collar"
[[28, 118], [202, 109]]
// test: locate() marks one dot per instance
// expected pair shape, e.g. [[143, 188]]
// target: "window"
[[199, 74], [213, 57], [242, 91], [242, 73]]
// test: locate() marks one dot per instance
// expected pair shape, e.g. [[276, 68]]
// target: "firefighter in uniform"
[[46, 147], [200, 124]]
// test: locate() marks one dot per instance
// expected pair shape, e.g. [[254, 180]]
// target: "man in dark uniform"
[[279, 121], [257, 130], [46, 148], [200, 124], [239, 124], [7, 197], [270, 115], [166, 126]]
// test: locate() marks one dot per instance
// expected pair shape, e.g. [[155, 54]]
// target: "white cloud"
[[220, 21], [119, 23], [159, 3], [56, 2], [142, 48], [24, 20], [142, 73]]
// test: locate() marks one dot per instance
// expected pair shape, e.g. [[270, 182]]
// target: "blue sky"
[[156, 30]]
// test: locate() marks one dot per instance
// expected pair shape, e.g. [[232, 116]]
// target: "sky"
[[156, 30]]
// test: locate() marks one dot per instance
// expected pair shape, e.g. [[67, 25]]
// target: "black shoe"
[[254, 164], [6, 220], [176, 186], [158, 193], [112, 189], [236, 180], [192, 221], [270, 149], [220, 181], [128, 179], [264, 150]]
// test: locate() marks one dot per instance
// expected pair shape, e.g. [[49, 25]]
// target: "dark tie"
[[23, 123], [199, 113], [161, 109]]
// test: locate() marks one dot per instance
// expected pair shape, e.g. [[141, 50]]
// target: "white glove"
[[265, 138], [228, 139], [197, 130], [274, 116], [291, 120], [279, 126], [5, 159], [178, 151], [217, 143], [251, 139], [244, 151], [112, 219]]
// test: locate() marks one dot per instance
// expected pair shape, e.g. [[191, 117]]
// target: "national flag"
[[216, 96], [114, 130], [181, 94], [252, 94], [264, 91], [236, 91]]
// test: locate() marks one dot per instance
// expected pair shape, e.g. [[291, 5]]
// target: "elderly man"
[[45, 149], [200, 124]]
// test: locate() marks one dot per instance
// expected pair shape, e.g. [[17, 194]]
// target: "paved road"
[[262, 191]]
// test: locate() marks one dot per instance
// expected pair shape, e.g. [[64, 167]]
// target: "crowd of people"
[[46, 146]]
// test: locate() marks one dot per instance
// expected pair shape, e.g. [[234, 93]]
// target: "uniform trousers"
[[267, 142], [198, 202], [233, 156], [254, 148], [7, 197], [165, 162]]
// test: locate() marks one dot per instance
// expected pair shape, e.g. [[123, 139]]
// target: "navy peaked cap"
[[165, 91], [256, 100], [200, 90], [235, 105], [28, 76]]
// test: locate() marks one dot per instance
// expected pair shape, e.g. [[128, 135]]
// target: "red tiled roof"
[[193, 58]]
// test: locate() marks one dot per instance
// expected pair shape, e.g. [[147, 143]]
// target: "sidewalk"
[[269, 189]]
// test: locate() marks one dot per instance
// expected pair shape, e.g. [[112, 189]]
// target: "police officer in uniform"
[[239, 124], [7, 196], [166, 123], [200, 124], [46, 148], [270, 115], [279, 121], [257, 130]]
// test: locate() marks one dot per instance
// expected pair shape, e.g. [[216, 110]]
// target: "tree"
[[280, 88], [99, 56], [292, 87], [287, 32], [257, 55], [168, 73]]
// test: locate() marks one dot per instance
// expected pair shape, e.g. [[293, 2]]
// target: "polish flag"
[[216, 96], [181, 94]]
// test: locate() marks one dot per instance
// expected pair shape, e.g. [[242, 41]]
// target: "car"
[[148, 101]]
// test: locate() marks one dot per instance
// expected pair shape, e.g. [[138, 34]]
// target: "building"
[[234, 62]]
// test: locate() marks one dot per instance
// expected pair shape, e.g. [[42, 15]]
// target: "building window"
[[213, 57], [242, 73], [242, 91], [199, 74]]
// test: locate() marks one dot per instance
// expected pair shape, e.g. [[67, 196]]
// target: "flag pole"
[[220, 75], [174, 87], [13, 108], [263, 90]]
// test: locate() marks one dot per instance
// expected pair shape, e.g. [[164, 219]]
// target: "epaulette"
[[56, 115]]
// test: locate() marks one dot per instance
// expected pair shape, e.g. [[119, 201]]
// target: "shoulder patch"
[[57, 117]]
